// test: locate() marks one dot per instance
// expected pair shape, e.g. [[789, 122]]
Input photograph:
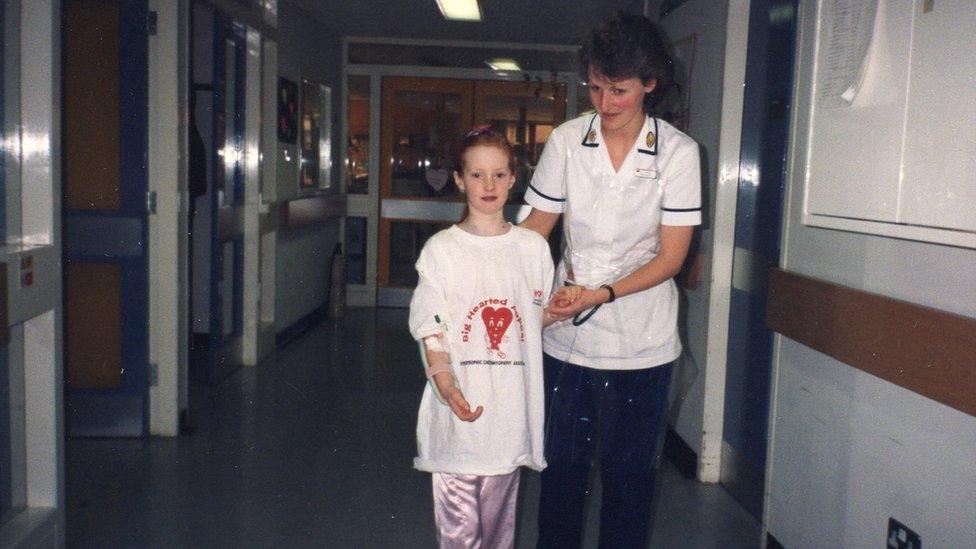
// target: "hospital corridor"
[[314, 449], [488, 273]]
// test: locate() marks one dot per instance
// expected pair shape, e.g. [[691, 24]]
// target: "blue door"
[[227, 199], [765, 128], [104, 124]]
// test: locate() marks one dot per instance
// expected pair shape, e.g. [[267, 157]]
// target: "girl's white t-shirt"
[[489, 293]]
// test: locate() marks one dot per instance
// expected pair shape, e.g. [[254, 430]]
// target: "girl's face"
[[487, 178], [620, 103]]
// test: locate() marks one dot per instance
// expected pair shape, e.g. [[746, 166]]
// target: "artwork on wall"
[[316, 138], [668, 6], [684, 58], [287, 111]]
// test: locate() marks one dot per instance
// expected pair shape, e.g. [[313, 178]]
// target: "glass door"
[[423, 122], [526, 112]]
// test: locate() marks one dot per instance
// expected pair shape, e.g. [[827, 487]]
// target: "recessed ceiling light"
[[504, 64], [460, 10]]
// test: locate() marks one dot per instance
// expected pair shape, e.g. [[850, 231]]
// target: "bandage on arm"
[[436, 360]]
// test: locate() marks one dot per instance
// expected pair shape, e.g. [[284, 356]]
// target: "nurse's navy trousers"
[[622, 416]]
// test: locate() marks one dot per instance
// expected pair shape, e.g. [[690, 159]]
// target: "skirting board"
[[742, 480], [301, 326]]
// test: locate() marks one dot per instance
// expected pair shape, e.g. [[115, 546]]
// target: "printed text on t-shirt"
[[497, 316]]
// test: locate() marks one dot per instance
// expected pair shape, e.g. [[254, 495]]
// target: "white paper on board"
[[849, 33]]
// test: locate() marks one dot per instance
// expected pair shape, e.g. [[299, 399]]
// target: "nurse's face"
[[485, 178], [620, 103]]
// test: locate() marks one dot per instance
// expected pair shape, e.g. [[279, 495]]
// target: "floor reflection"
[[314, 448]]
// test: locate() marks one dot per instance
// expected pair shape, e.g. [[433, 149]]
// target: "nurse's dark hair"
[[629, 46], [484, 136]]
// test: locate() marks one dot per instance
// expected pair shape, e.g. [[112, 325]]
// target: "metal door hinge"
[[151, 202], [153, 374], [151, 22]]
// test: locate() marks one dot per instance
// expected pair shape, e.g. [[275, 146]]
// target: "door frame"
[[168, 118], [34, 313], [170, 327], [368, 205], [227, 221], [752, 257]]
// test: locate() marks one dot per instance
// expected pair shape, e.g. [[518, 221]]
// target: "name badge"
[[646, 173]]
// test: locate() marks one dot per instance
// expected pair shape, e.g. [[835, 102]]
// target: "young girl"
[[478, 312]]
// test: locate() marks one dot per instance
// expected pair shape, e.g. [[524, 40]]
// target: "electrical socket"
[[902, 537]]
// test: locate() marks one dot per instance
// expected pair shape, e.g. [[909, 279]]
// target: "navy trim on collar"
[[657, 139], [652, 151]]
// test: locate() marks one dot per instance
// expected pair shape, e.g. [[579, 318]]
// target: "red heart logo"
[[496, 323]]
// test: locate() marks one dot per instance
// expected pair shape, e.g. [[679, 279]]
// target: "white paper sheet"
[[849, 29]]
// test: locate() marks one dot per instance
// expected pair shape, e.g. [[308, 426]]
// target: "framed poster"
[[316, 136], [668, 6], [685, 51], [287, 111]]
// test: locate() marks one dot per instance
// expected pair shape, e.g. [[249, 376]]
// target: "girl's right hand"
[[566, 296], [452, 394]]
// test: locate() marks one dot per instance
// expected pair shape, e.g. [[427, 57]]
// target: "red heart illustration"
[[496, 323]]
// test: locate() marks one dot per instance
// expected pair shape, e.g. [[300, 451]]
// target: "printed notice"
[[849, 30]]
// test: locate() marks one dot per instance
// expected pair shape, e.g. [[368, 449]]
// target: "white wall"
[[303, 255], [706, 19], [850, 450], [302, 279]]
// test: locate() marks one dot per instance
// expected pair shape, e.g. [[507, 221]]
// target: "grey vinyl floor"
[[313, 448]]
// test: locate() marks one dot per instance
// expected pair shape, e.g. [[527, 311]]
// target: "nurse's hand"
[[585, 299], [562, 299], [567, 295], [451, 393]]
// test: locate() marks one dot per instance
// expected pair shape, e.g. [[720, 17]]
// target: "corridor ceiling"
[[516, 21]]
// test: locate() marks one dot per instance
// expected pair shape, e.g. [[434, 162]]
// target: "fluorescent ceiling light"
[[460, 10], [504, 64]]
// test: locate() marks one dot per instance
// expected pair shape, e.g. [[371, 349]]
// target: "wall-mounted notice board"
[[891, 123]]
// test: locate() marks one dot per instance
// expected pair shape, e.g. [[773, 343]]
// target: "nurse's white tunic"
[[612, 226]]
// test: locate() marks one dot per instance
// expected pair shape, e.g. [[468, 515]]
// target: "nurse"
[[628, 187]]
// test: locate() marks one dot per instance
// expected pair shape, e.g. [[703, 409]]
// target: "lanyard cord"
[[577, 321], [613, 297]]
